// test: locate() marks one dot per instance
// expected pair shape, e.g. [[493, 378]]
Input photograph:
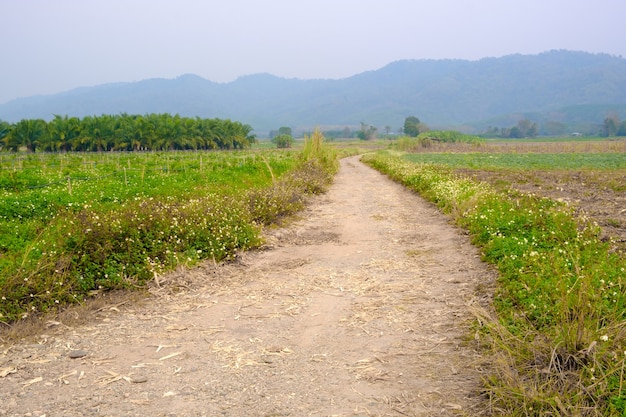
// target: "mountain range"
[[573, 89]]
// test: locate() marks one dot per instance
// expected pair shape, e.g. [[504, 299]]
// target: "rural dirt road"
[[360, 308]]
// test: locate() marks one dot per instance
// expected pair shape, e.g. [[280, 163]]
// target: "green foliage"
[[429, 138], [613, 127], [345, 133], [412, 126], [367, 132], [127, 133], [315, 151], [25, 133], [449, 136], [283, 141], [523, 129], [559, 338], [524, 161], [5, 128], [123, 224], [285, 130]]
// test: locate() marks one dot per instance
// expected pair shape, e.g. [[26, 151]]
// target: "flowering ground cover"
[[72, 225], [557, 334]]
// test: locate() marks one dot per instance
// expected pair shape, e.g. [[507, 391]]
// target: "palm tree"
[[64, 133], [97, 133], [26, 133], [5, 128]]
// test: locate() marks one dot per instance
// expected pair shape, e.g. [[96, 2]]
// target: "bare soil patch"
[[360, 308], [598, 195]]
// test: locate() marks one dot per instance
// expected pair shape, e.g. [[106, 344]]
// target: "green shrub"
[[283, 141]]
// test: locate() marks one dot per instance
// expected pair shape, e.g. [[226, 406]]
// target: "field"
[[73, 225], [590, 176], [547, 215], [550, 217]]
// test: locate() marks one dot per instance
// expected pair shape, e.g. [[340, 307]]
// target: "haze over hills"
[[575, 89]]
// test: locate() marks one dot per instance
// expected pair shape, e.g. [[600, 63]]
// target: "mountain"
[[560, 86]]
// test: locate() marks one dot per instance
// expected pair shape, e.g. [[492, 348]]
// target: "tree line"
[[523, 129], [124, 132]]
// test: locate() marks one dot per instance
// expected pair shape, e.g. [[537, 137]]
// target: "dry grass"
[[70, 317]]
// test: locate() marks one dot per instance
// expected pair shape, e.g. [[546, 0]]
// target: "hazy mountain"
[[562, 86]]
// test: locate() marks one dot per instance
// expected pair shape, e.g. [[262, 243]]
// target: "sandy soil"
[[360, 308]]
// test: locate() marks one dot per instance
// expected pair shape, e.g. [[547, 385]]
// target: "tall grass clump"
[[317, 152], [317, 165], [86, 246], [558, 331]]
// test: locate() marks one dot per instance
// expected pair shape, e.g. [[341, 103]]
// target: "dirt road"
[[358, 309]]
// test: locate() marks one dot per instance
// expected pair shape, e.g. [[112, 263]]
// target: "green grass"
[[558, 337], [37, 188], [120, 220], [554, 139], [476, 160]]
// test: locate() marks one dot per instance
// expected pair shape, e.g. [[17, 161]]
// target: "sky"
[[50, 46]]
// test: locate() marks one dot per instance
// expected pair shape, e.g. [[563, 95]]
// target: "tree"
[[5, 128], [125, 132], [283, 141], [622, 129], [412, 126], [610, 126], [26, 133], [521, 128], [248, 138], [101, 133], [284, 130], [491, 132], [367, 132], [63, 133], [524, 129], [516, 133], [553, 128]]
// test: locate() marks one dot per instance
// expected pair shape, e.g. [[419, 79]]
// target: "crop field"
[[549, 161], [551, 218], [75, 224], [590, 176]]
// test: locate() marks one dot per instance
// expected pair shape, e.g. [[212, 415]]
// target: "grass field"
[[72, 225], [557, 337], [36, 188], [524, 161]]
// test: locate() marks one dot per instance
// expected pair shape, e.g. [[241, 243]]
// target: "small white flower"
[[604, 338]]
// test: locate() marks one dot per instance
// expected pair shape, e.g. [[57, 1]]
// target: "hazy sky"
[[48, 46]]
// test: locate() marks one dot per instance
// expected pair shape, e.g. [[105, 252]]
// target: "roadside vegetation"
[[557, 334], [76, 224]]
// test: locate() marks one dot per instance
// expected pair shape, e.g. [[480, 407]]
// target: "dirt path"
[[359, 309]]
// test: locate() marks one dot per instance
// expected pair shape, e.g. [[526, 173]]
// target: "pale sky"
[[49, 46]]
